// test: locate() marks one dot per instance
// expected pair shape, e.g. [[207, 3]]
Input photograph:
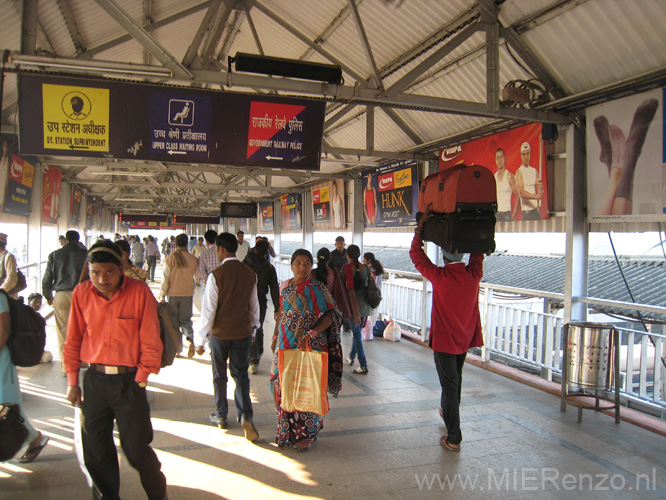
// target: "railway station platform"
[[380, 440]]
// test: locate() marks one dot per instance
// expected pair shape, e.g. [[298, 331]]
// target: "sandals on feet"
[[304, 444], [444, 441], [361, 370], [32, 453]]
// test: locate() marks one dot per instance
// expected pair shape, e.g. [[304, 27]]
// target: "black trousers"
[[118, 397], [449, 368], [257, 349]]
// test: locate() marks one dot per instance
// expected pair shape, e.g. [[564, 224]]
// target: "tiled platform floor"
[[380, 441]]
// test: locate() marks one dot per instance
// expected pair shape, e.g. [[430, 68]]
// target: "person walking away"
[[191, 244], [61, 275], [10, 392], [455, 324], [137, 252], [356, 276], [332, 280], [208, 260], [180, 269], [229, 316], [266, 281], [8, 268], [307, 311], [114, 326], [376, 273], [151, 253]]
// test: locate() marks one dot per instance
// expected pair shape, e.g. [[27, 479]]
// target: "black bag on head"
[[13, 431], [28, 333], [374, 294], [172, 338]]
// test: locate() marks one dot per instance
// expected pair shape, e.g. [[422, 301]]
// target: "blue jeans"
[[357, 346], [449, 368], [238, 353]]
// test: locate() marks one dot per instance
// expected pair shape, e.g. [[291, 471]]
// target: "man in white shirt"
[[529, 185], [229, 318], [243, 246]]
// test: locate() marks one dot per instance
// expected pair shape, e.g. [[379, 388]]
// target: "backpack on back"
[[374, 294], [463, 203], [28, 333]]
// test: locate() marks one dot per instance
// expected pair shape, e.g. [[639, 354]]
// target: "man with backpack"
[[266, 280], [61, 275]]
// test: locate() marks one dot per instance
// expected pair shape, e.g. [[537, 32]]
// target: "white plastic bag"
[[78, 444], [392, 331]]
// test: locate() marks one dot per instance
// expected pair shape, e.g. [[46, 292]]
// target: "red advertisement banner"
[[517, 158], [51, 181]]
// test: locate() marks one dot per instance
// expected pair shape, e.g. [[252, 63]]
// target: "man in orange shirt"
[[113, 325]]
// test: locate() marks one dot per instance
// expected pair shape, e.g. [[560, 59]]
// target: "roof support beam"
[[206, 22], [72, 27], [489, 18], [328, 31], [409, 132], [215, 34], [147, 21], [433, 59], [29, 27], [142, 36], [291, 29], [370, 130], [377, 79], [253, 28], [157, 24]]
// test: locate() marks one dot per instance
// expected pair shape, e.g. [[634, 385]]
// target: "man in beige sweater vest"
[[229, 318], [180, 269]]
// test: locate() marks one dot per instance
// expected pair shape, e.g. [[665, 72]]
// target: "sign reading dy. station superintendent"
[[107, 118]]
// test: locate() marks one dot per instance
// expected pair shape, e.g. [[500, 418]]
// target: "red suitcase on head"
[[463, 203]]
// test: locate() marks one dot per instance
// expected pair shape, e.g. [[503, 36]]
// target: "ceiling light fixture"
[[90, 65]]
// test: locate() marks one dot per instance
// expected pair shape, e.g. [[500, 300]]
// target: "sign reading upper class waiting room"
[[108, 118]]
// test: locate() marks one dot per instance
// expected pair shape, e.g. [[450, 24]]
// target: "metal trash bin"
[[589, 361], [591, 357]]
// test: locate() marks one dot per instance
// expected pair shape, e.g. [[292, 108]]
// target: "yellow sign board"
[[402, 178], [75, 118]]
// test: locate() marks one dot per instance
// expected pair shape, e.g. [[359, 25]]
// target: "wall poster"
[[517, 158], [626, 172], [290, 205], [328, 205], [390, 195], [266, 216], [51, 180]]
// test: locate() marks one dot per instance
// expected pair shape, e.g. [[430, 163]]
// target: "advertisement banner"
[[390, 195], [291, 211], [19, 187], [517, 158], [625, 159], [328, 205], [76, 196], [51, 181], [266, 216], [9, 149], [90, 200]]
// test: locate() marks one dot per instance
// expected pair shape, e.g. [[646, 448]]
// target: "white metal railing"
[[530, 336]]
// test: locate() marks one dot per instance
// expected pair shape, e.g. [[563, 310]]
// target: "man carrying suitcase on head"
[[455, 324]]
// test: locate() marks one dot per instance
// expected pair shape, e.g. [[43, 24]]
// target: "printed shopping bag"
[[303, 380]]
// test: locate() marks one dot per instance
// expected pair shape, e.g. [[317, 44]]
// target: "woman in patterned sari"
[[306, 310]]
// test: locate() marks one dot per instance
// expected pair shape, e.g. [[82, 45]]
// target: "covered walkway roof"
[[418, 74]]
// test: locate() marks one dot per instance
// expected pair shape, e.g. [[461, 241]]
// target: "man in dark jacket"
[[266, 280], [62, 273]]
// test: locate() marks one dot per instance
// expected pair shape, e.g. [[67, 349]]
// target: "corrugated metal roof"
[[584, 44]]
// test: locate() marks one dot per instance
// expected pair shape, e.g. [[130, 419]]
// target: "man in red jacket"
[[455, 324]]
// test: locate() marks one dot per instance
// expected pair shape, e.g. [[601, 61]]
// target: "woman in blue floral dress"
[[306, 310]]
